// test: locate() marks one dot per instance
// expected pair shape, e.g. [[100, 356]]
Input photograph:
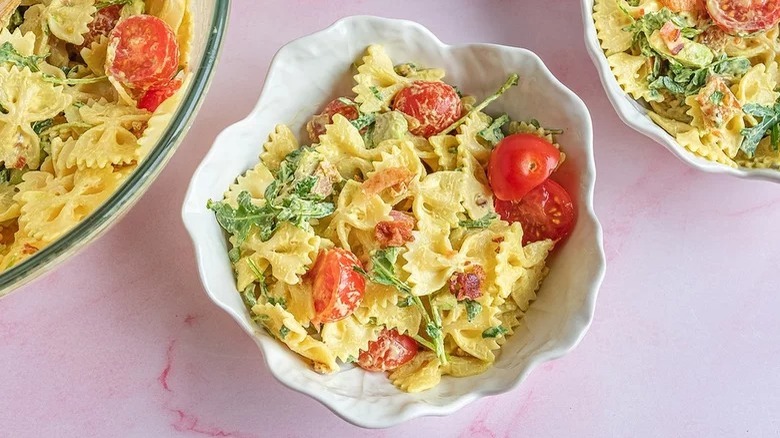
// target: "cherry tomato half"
[[345, 107], [519, 163], [105, 20], [142, 52], [388, 352], [742, 17], [337, 288], [154, 97], [546, 212], [435, 105]]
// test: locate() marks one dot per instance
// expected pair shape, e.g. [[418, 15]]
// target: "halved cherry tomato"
[[337, 288], [388, 352], [546, 212], [142, 52], [435, 105], [345, 107], [519, 163], [695, 6], [742, 17], [105, 20], [154, 97]]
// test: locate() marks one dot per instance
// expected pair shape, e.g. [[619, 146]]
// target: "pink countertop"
[[121, 340]]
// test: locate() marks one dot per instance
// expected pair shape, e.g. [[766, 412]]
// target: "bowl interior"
[[308, 73], [209, 23]]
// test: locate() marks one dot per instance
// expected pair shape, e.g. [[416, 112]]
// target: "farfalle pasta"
[[706, 71], [376, 242], [79, 108]]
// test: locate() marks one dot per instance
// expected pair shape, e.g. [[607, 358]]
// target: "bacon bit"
[[20, 163], [393, 177], [671, 36], [316, 126], [715, 115], [29, 249], [395, 232], [467, 284]]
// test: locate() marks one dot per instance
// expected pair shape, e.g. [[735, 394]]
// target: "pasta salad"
[[86, 89], [406, 232], [706, 70]]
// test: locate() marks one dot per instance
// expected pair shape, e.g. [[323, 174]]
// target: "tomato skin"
[[546, 212], [143, 52], [519, 163], [337, 289], [435, 105], [388, 352], [344, 106], [105, 20], [153, 98], [743, 17]]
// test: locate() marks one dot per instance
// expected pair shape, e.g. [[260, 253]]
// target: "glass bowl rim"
[[98, 221]]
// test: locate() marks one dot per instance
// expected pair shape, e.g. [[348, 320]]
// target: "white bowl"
[[311, 71], [635, 115]]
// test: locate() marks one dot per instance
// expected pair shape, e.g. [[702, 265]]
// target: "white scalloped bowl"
[[635, 115], [311, 71]]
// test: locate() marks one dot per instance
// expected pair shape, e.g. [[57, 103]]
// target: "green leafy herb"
[[351, 359], [494, 332], [716, 97], [283, 332], [493, 133], [405, 302], [248, 296], [770, 118], [473, 309], [8, 54], [5, 176], [482, 222], [106, 3], [16, 20], [239, 221], [365, 120], [43, 125], [681, 80], [383, 272], [375, 92], [511, 81]]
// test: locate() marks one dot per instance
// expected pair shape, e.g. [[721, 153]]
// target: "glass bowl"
[[210, 21]]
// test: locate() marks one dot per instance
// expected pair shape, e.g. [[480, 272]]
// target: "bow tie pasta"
[[377, 241], [80, 107], [707, 73]]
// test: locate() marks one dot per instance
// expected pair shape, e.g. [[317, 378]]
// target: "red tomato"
[[388, 352], [154, 97], [345, 107], [519, 163], [546, 212], [142, 52], [337, 288], [105, 20], [741, 17], [435, 105]]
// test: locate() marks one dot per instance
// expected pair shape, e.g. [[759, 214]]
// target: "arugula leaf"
[[383, 272], [5, 176], [770, 118], [494, 332], [8, 54], [406, 302], [240, 220], [376, 93], [483, 222], [686, 81], [283, 332], [511, 81], [16, 20], [473, 309], [365, 120], [41, 126], [493, 133], [717, 97], [248, 296]]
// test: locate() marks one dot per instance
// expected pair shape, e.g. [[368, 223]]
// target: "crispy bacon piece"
[[395, 232], [392, 177], [468, 284]]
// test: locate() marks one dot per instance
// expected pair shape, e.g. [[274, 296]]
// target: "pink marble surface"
[[122, 341]]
